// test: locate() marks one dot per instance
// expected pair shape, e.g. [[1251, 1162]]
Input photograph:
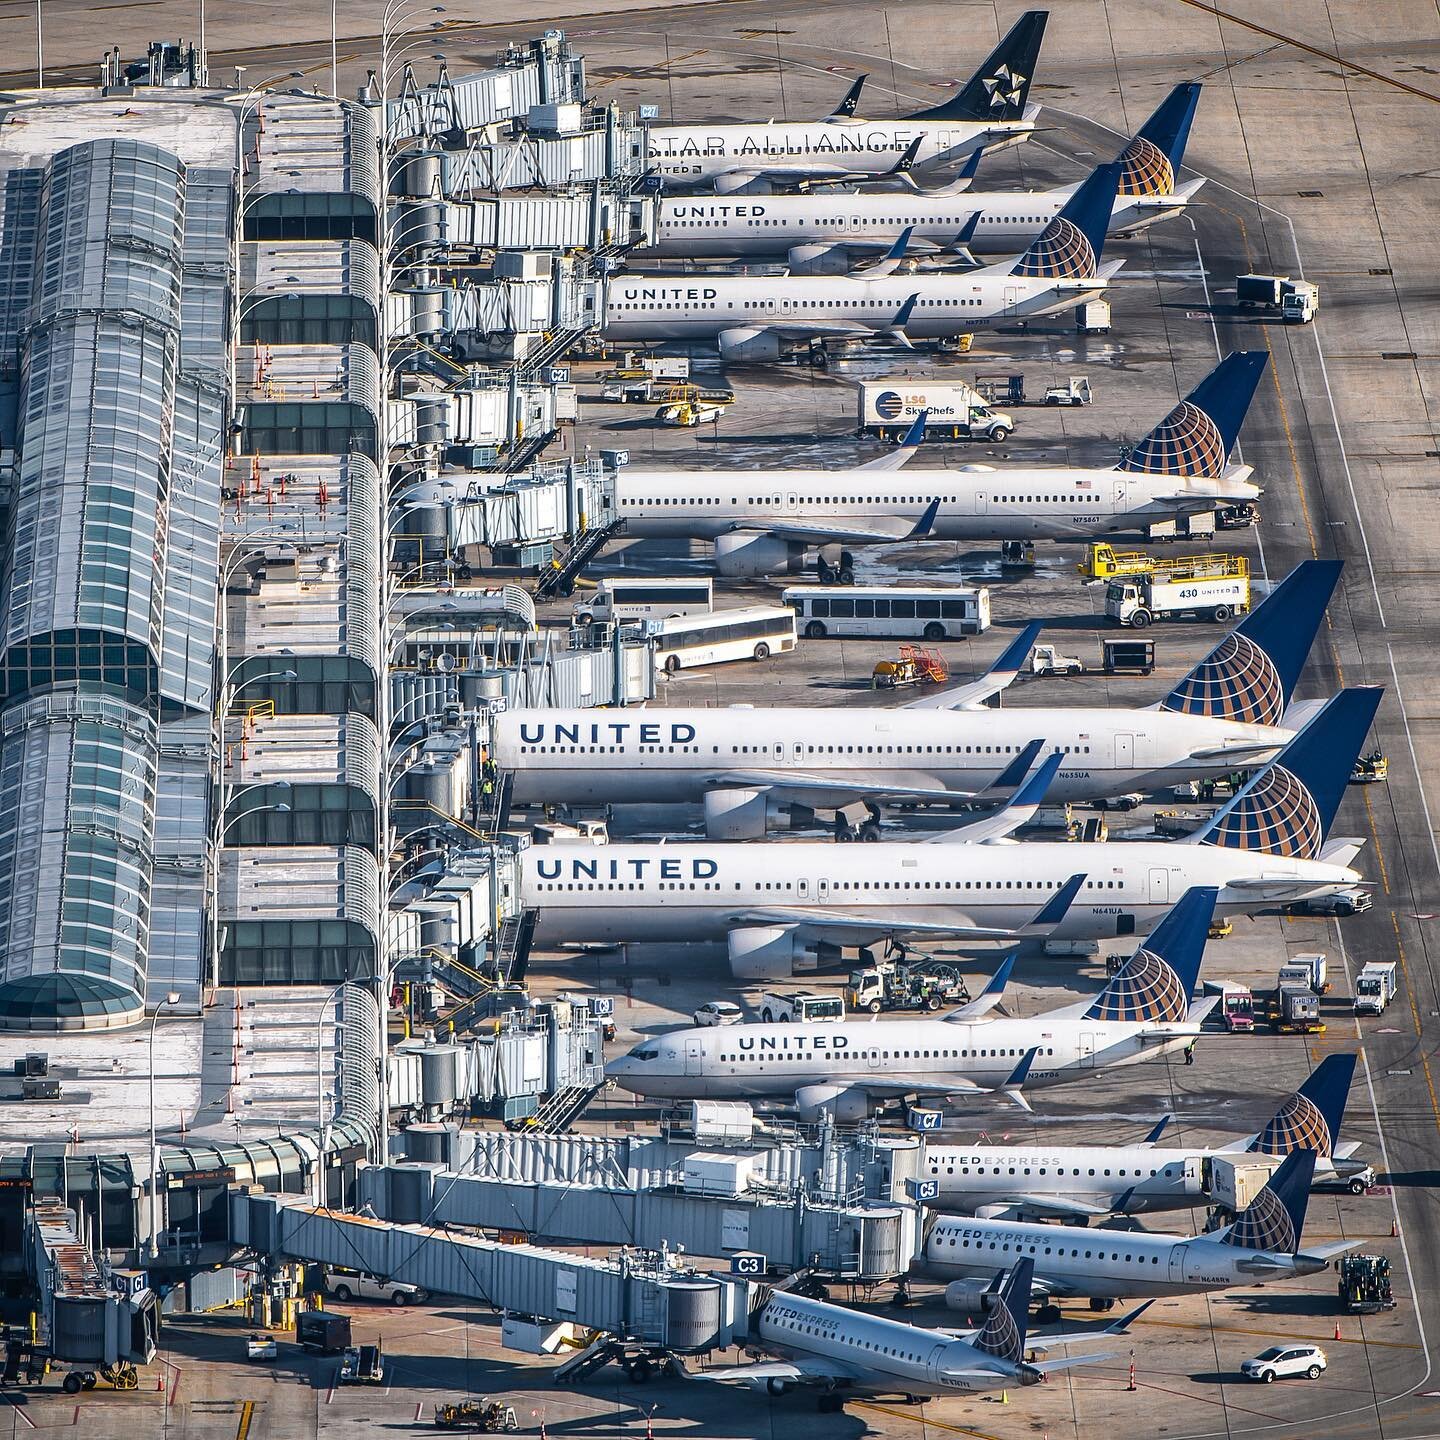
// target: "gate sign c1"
[[923, 1189], [747, 1264]]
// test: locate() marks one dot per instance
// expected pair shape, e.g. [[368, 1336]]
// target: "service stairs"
[[595, 1356], [512, 946], [561, 1110], [560, 579]]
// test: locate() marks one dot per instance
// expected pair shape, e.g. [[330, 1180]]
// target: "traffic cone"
[[1004, 1397], [1337, 1329], [1394, 1228]]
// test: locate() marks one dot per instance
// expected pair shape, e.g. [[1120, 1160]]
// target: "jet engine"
[[820, 260], [972, 1296], [846, 1104], [767, 952], [748, 342], [742, 814], [743, 185], [751, 554]]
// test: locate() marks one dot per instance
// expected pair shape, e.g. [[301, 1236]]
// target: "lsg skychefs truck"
[[956, 411], [1209, 587]]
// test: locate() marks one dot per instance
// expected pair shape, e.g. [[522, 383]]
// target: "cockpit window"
[[648, 1053]]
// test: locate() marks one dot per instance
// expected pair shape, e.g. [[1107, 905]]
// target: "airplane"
[[845, 1071], [1263, 1244], [782, 904], [989, 111], [845, 1353], [752, 768], [1083, 1183], [819, 233], [758, 318], [763, 522]]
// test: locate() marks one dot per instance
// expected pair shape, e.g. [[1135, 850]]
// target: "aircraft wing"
[[1047, 1207], [1071, 1337], [866, 783], [1238, 753], [848, 535], [867, 924], [806, 1370], [997, 678]]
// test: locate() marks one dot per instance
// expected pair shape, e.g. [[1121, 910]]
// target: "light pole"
[[172, 998], [322, 1119], [334, 60], [39, 49]]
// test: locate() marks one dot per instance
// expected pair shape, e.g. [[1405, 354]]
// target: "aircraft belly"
[[583, 922]]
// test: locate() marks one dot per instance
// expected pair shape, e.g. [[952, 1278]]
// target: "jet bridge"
[[704, 1210], [644, 1297]]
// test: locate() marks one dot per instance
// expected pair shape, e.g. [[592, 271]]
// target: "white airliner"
[[1082, 1183], [1108, 1265], [763, 317], [987, 112], [779, 904], [845, 1071], [845, 1353], [753, 768], [764, 522], [823, 233]]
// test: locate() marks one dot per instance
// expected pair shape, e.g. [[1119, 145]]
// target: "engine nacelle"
[[820, 260], [767, 952], [972, 1296], [749, 555], [742, 814], [743, 185], [845, 1104], [748, 342]]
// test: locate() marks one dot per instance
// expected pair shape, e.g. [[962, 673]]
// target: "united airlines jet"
[[843, 1353], [989, 111], [765, 522], [782, 904], [1263, 1244], [763, 317], [845, 1071], [823, 233], [1084, 1183], [754, 768]]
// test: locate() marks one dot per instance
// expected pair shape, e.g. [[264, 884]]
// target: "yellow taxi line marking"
[[924, 1421], [247, 1411]]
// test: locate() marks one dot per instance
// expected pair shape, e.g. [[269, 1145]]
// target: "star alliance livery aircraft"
[[830, 234], [987, 112], [782, 904], [753, 768], [845, 1353], [1083, 1183], [1262, 1245], [846, 1070], [764, 522], [756, 318]]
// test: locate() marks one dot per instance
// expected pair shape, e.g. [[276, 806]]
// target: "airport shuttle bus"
[[755, 633], [939, 612]]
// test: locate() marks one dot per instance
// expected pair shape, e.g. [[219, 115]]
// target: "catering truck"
[[1209, 587], [1297, 301], [1375, 987], [955, 411]]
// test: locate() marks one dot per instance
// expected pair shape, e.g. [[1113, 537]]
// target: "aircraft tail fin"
[[1003, 1333], [1070, 246], [1309, 1118], [1275, 1218], [1157, 981], [1196, 437], [1288, 807], [1251, 674], [1000, 88], [1151, 160]]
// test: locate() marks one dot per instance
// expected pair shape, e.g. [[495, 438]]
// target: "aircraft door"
[[1087, 1051], [694, 1057], [1159, 886], [1124, 752], [1177, 1264], [932, 1364], [1013, 295], [982, 502]]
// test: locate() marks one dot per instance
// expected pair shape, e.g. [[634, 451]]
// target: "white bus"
[[938, 612], [754, 633], [643, 597]]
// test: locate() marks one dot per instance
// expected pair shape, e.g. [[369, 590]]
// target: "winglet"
[[967, 232], [906, 163], [926, 523], [1015, 772], [1018, 1077], [845, 110], [1122, 1202], [990, 996], [903, 314], [1121, 1325], [890, 261], [904, 452], [1055, 909], [1157, 1130], [915, 435], [1032, 793], [974, 694]]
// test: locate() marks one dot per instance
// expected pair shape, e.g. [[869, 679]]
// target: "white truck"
[[1375, 987], [1298, 301], [1210, 587], [801, 1007], [1093, 317], [957, 411]]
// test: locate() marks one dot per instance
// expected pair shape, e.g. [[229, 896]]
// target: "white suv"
[[347, 1285], [1285, 1362]]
